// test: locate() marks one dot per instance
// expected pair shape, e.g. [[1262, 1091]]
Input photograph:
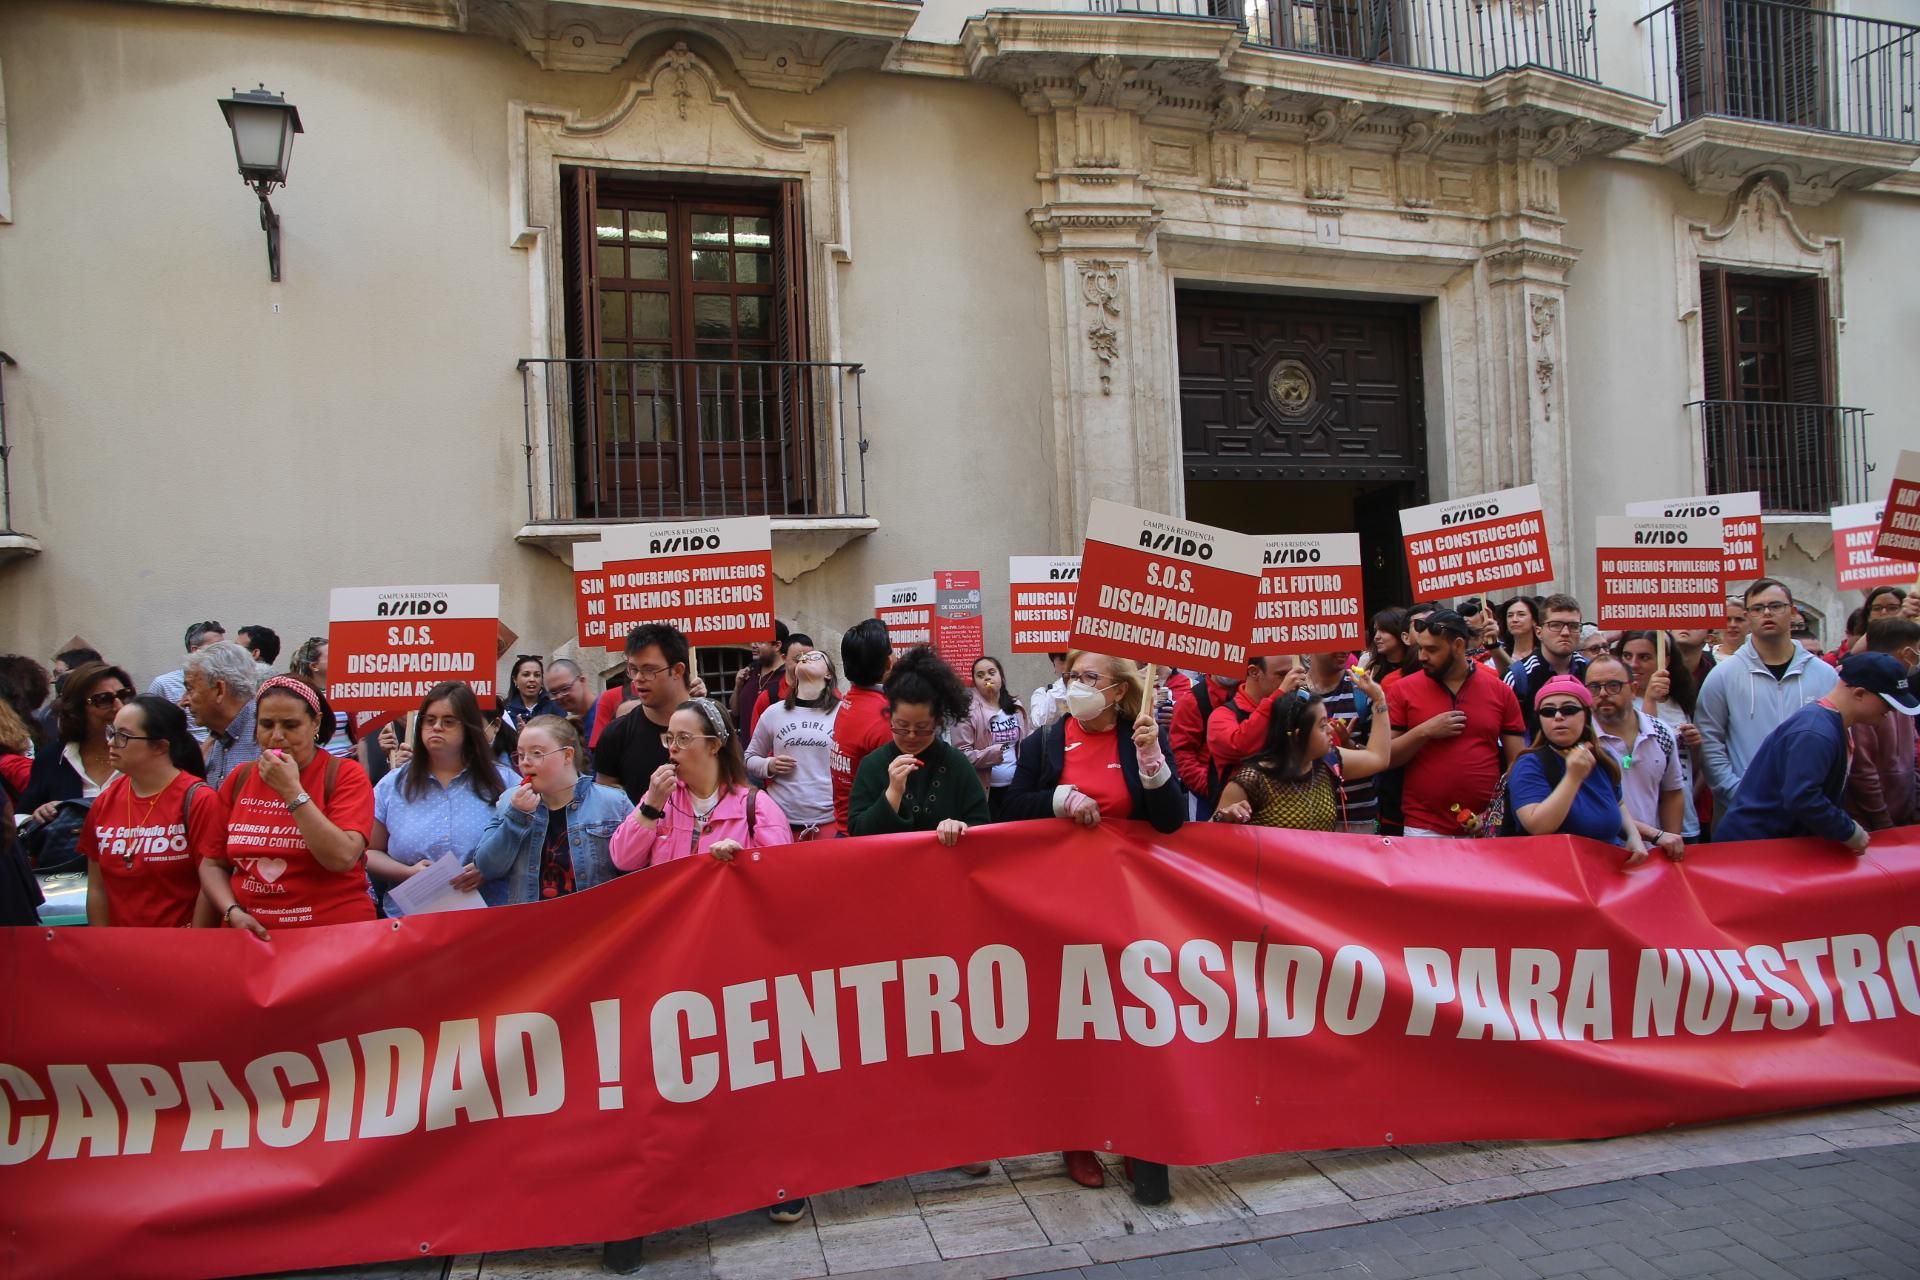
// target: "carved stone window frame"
[[676, 118]]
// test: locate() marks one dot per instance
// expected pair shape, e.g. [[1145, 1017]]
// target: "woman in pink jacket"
[[990, 736], [700, 801]]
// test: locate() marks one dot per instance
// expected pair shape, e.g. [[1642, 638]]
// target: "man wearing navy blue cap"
[[1796, 781]]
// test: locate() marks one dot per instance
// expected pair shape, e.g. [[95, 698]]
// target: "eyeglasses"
[[1561, 709], [684, 740], [647, 673], [1884, 608], [107, 697], [120, 737], [530, 758], [563, 688], [1570, 628], [1606, 686], [1091, 679], [1771, 607], [904, 730]]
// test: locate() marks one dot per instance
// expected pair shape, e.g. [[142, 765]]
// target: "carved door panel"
[[1299, 389]]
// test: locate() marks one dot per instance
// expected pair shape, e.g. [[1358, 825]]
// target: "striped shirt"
[[1360, 801]]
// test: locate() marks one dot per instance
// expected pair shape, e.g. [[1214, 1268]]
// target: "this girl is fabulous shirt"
[[149, 849], [276, 879]]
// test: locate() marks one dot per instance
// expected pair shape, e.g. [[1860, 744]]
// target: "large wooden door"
[[1299, 388]]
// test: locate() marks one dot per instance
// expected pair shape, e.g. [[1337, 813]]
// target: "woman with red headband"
[[297, 824]]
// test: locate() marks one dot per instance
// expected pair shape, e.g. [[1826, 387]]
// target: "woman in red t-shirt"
[[297, 823], [150, 826]]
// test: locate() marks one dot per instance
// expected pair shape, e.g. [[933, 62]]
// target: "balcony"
[[1803, 458], [12, 544], [1827, 99], [612, 441], [1469, 38]]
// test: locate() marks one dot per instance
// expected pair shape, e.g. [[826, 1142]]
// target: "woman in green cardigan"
[[919, 782]]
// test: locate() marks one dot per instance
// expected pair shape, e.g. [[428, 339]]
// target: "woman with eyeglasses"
[[701, 800], [442, 799], [551, 835], [297, 823], [918, 782], [791, 754], [527, 692], [89, 698], [990, 736], [1566, 783], [150, 827]]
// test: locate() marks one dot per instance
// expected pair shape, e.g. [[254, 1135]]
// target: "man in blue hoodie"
[[1749, 695], [1795, 783]]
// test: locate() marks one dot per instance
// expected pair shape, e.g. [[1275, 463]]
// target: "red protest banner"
[[1739, 514], [1041, 591], [1654, 573], [959, 629], [1309, 595], [907, 609], [590, 596], [1156, 589], [639, 1052], [713, 579], [1491, 542], [1856, 527], [387, 646], [1899, 537]]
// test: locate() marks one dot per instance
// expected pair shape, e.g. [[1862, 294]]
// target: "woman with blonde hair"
[[1104, 761]]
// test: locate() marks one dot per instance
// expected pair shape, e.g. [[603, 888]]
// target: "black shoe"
[[1150, 1183], [788, 1210], [622, 1257]]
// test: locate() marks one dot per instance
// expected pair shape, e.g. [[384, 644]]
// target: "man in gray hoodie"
[[1747, 696]]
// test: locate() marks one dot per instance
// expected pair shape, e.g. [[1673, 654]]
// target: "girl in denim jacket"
[[549, 836]]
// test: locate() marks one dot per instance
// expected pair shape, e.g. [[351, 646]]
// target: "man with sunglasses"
[[1653, 780], [1553, 656], [1749, 695], [1456, 727], [629, 749]]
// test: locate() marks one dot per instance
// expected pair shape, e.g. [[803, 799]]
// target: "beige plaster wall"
[[194, 441]]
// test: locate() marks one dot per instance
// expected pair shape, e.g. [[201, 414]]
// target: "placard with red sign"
[[590, 596], [1309, 595], [712, 579], [1041, 591], [1739, 514], [959, 629], [907, 609], [1156, 589], [1491, 542], [1656, 573], [1900, 517], [1856, 527], [387, 646]]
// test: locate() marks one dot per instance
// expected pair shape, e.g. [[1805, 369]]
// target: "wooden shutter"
[[1800, 52], [797, 386], [1714, 325], [1700, 58], [579, 195], [1809, 345]]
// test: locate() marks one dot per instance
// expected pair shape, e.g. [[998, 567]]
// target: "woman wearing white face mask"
[[1105, 761], [792, 748]]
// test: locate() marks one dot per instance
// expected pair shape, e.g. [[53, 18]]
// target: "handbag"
[[54, 845]]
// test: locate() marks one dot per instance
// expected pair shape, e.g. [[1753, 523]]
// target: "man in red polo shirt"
[[1456, 727]]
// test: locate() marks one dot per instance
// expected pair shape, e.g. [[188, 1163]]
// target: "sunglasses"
[[1561, 709], [107, 697]]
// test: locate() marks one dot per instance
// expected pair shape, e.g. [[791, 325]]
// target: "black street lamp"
[[263, 126]]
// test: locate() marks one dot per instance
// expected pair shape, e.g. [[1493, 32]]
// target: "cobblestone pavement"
[[1838, 1214], [1831, 1192]]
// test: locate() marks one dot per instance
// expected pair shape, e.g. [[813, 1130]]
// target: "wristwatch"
[[650, 813], [297, 801]]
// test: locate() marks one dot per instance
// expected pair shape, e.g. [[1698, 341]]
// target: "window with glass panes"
[[686, 407]]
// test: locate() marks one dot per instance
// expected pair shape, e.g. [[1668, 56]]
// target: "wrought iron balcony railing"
[[1803, 458], [1472, 38], [649, 439], [1784, 63]]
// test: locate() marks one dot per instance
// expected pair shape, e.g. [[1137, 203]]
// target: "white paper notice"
[[432, 890]]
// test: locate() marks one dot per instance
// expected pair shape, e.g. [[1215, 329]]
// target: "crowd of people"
[[229, 794]]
